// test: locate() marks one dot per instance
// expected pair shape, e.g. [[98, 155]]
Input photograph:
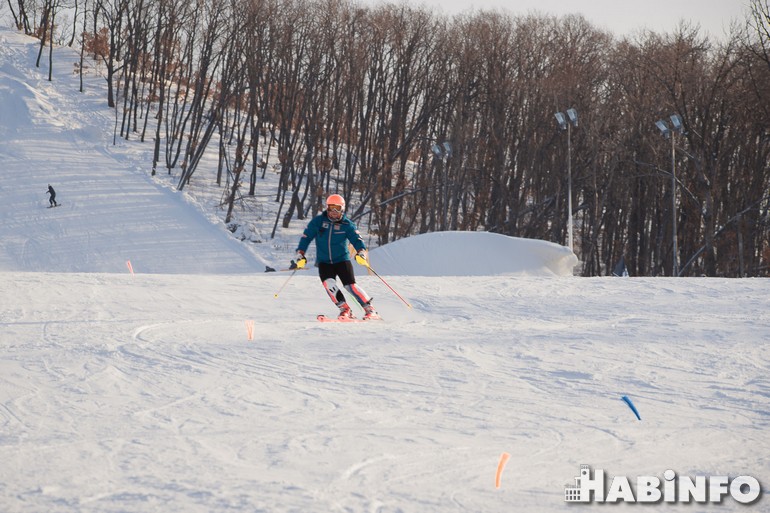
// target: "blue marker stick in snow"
[[631, 405]]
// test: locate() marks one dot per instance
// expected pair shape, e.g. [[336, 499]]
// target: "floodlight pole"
[[569, 185], [567, 121], [670, 132], [675, 272]]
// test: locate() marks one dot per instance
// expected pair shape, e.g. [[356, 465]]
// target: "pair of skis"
[[324, 318]]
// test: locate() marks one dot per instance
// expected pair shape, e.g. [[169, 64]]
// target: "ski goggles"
[[334, 208]]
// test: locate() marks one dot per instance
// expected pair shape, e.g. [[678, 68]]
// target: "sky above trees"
[[620, 17]]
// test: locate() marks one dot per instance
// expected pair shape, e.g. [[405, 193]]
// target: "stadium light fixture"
[[668, 133], [566, 123]]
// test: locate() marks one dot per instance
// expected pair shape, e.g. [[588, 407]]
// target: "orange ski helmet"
[[335, 199]]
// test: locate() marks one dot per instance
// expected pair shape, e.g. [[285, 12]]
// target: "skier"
[[52, 199], [331, 231]]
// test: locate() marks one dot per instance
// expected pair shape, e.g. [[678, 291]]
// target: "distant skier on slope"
[[52, 199], [331, 231]]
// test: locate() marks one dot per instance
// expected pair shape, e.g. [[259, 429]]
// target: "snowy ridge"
[[142, 392], [472, 254]]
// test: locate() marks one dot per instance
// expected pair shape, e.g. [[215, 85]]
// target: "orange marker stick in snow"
[[250, 329], [500, 466]]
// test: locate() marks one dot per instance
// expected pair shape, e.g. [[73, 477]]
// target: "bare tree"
[[21, 15], [759, 27], [425, 123], [111, 15]]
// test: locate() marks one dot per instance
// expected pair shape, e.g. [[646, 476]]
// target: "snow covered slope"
[[144, 392], [111, 211], [123, 393]]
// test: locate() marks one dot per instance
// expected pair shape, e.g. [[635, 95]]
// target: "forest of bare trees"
[[426, 122]]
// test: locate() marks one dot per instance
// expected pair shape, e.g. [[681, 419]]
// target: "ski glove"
[[301, 260], [361, 258]]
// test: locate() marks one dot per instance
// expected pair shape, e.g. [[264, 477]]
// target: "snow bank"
[[472, 254]]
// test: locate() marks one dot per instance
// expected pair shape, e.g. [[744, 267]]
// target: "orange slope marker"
[[504, 457], [249, 329]]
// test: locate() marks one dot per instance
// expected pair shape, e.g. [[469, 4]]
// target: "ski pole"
[[386, 284], [285, 283]]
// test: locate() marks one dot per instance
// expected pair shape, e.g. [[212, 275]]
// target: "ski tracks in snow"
[[144, 392]]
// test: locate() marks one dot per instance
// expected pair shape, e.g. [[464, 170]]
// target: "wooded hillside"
[[425, 122]]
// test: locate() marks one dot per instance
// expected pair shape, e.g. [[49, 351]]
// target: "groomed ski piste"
[[146, 366]]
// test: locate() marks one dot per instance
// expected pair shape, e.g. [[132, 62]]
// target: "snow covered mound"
[[472, 254]]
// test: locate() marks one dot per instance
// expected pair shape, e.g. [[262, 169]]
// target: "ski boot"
[[370, 313], [345, 312]]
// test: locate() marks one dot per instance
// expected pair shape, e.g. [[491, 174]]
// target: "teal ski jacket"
[[331, 238]]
